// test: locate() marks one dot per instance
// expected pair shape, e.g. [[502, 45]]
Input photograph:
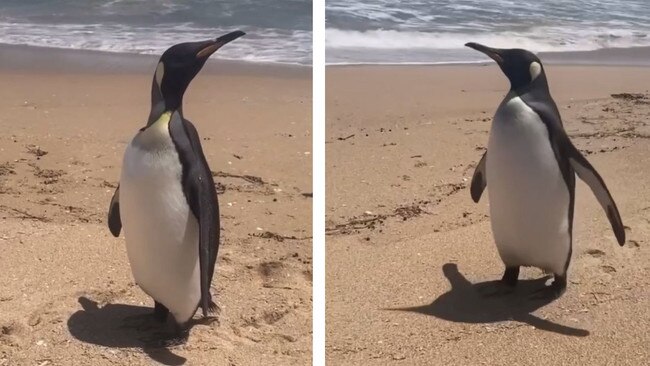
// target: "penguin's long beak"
[[492, 53], [213, 46]]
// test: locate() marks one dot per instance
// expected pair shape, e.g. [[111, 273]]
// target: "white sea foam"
[[277, 31], [260, 45], [540, 39], [418, 31]]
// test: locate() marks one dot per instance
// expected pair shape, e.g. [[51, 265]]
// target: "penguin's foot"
[[510, 276], [552, 292], [160, 311], [141, 322], [165, 340], [145, 322], [496, 289], [505, 286]]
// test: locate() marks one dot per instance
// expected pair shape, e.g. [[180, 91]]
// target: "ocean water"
[[278, 31], [429, 32]]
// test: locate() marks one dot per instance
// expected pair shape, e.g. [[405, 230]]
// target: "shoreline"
[[23, 58], [616, 57]]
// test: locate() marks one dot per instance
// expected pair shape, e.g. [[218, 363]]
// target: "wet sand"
[[407, 249], [65, 283]]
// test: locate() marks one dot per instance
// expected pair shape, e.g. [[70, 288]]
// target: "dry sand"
[[65, 282], [406, 246]]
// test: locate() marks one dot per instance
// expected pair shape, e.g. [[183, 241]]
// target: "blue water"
[[411, 31], [278, 31]]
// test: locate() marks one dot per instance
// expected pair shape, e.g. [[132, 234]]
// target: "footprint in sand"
[[607, 269], [11, 332], [279, 275], [270, 270], [596, 253]]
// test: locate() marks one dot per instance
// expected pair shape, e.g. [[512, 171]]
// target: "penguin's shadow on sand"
[[105, 327], [464, 304]]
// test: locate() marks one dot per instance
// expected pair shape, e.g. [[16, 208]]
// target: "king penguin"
[[166, 199], [529, 168]]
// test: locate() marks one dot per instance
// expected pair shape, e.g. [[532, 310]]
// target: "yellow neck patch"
[[158, 131], [164, 118]]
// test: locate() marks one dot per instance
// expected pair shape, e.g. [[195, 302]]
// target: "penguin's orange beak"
[[213, 46], [492, 53]]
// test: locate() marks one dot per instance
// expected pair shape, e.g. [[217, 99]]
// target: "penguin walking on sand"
[[529, 167], [166, 199]]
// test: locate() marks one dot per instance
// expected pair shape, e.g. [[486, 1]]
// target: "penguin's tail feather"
[[213, 309]]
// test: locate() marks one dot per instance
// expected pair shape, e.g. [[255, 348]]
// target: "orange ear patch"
[[208, 50]]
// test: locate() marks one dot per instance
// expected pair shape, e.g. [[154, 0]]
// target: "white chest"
[[529, 200], [161, 231], [151, 182]]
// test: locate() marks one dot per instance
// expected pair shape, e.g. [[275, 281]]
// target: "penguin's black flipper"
[[589, 175], [479, 180], [569, 156], [114, 220], [201, 195]]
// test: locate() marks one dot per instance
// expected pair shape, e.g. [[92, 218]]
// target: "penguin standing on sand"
[[166, 199], [530, 167]]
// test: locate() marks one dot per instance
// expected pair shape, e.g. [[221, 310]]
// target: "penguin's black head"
[[520, 66], [180, 64]]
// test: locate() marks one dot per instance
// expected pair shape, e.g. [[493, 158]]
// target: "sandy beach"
[[65, 282], [407, 248]]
